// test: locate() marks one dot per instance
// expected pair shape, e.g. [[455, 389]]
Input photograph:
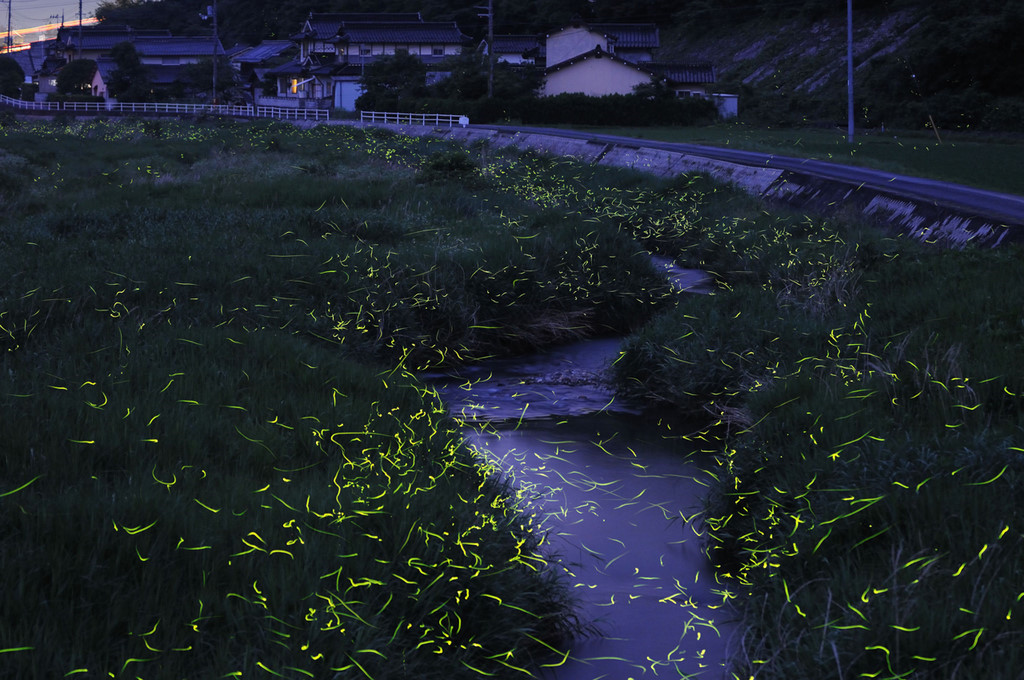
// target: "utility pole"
[[211, 13], [490, 49], [10, 44], [849, 71], [216, 40], [79, 29], [490, 46]]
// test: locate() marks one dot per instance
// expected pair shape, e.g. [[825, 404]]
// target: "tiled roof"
[[160, 74], [630, 36], [517, 44], [326, 25], [104, 37], [232, 52], [106, 66], [400, 33], [683, 73], [31, 60], [596, 53], [291, 68], [675, 73], [194, 46], [268, 49]]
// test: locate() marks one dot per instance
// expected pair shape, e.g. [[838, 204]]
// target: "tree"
[[468, 79], [11, 77], [199, 76], [76, 77], [401, 76], [655, 89], [129, 82]]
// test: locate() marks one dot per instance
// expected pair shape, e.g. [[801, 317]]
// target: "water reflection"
[[616, 502], [617, 494]]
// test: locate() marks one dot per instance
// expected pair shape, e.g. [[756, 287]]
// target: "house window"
[[169, 61], [438, 51], [295, 85], [364, 50]]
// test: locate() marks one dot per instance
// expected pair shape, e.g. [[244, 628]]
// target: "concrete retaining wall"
[[922, 220]]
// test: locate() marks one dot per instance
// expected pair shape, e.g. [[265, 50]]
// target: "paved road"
[[1004, 207]]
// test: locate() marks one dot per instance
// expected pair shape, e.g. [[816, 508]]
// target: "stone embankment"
[[923, 220]]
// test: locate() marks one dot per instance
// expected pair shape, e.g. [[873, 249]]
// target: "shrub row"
[[566, 109]]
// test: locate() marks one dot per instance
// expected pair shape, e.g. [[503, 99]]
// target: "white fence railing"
[[435, 119], [168, 108]]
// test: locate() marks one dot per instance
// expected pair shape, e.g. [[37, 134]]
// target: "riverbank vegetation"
[[867, 406], [216, 460]]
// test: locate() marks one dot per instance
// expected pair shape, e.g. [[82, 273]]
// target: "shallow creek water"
[[615, 491]]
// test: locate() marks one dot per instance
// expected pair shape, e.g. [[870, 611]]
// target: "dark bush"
[[618, 109], [449, 166], [569, 109]]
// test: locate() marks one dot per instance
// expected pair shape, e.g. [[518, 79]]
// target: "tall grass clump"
[[216, 458], [870, 479], [206, 502]]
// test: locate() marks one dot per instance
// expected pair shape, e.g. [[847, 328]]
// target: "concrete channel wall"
[[923, 220]]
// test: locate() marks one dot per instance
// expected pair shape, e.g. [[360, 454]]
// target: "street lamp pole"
[[849, 71]]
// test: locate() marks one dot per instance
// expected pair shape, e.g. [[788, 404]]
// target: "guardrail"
[[168, 108], [435, 119]]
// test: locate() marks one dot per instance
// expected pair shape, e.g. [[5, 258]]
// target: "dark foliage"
[[11, 77], [129, 82], [76, 77], [618, 109]]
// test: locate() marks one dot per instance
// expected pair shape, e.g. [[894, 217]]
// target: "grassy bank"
[[216, 461], [870, 491], [989, 161]]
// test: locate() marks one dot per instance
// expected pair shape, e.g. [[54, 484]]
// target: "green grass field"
[[985, 161], [218, 460], [865, 398]]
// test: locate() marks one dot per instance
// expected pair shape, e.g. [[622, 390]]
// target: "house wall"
[[691, 90], [512, 59], [346, 93], [594, 77], [571, 42], [98, 87], [158, 60]]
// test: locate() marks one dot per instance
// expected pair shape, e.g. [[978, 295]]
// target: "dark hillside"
[[957, 61]]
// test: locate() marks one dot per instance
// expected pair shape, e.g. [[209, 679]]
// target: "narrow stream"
[[616, 492]]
